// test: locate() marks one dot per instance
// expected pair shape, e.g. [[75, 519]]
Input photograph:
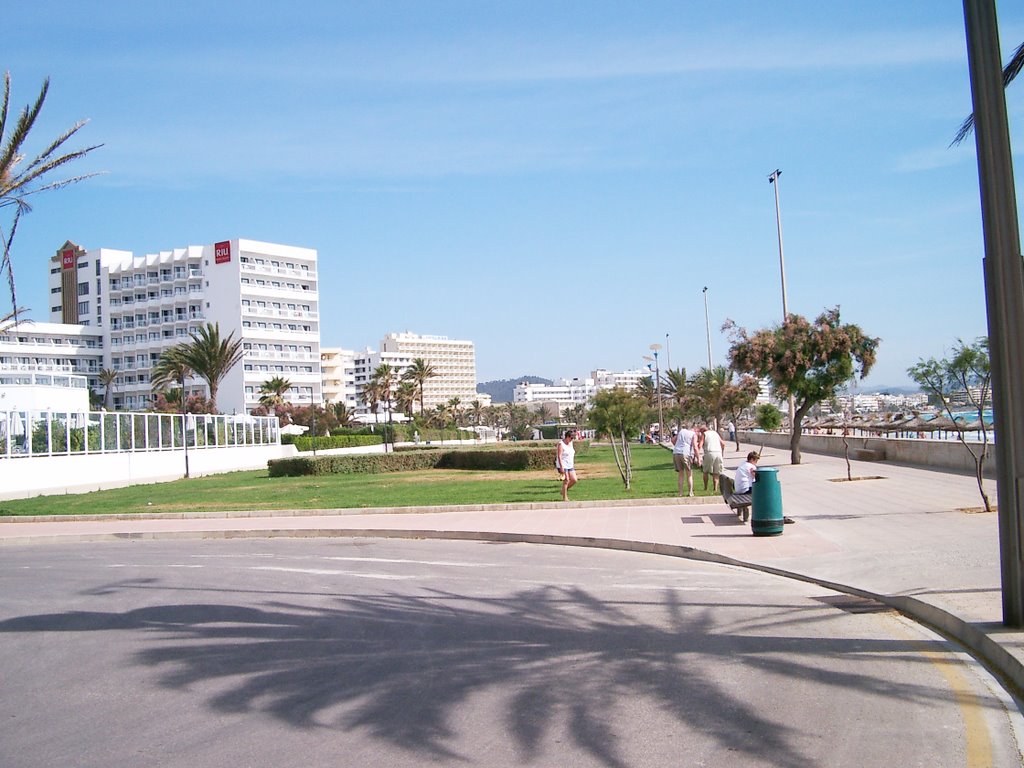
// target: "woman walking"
[[565, 459]]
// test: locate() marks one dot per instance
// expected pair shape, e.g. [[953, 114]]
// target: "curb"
[[667, 501], [996, 659]]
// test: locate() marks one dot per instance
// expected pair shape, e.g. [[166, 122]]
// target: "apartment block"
[[338, 368], [49, 366], [265, 294], [453, 360]]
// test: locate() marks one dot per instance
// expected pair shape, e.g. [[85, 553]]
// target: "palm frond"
[[1010, 72]]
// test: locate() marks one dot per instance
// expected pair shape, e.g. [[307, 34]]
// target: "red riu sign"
[[222, 252], [67, 259]]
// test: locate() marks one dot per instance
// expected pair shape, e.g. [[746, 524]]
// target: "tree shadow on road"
[[400, 666]]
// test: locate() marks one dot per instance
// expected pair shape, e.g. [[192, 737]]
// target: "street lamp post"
[[707, 327], [1004, 297], [657, 388], [773, 179], [668, 355]]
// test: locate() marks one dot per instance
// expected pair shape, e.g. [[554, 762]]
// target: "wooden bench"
[[739, 502]]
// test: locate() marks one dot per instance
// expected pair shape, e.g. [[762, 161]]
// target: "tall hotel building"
[[453, 360], [263, 293]]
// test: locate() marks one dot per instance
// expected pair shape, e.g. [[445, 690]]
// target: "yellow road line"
[[976, 734]]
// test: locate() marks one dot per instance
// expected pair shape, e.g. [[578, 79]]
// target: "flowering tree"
[[809, 361]]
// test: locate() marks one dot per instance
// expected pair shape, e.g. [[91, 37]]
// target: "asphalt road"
[[399, 653]]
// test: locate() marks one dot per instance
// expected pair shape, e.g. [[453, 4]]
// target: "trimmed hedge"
[[305, 443], [408, 461]]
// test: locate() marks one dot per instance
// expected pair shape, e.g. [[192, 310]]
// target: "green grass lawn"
[[653, 477]]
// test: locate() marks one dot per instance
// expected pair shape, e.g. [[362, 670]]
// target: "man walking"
[[684, 456], [712, 459]]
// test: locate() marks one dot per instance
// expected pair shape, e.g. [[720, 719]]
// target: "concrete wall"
[[25, 477], [924, 452]]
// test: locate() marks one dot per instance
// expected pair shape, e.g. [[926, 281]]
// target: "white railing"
[[53, 433]]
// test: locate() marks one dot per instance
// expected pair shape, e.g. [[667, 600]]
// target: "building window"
[[55, 290], [83, 289]]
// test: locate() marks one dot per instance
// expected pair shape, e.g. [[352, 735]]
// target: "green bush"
[[305, 443], [407, 461]]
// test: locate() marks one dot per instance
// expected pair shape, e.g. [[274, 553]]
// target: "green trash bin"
[[767, 518]]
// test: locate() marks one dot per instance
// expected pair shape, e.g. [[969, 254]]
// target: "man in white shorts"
[[712, 463], [684, 456]]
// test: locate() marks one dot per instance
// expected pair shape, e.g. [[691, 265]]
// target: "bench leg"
[[746, 514]]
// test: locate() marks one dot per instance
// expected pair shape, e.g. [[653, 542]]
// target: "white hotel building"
[[453, 360], [265, 294], [49, 366], [565, 393]]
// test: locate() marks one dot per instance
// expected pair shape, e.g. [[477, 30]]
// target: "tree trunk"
[[794, 440], [618, 464]]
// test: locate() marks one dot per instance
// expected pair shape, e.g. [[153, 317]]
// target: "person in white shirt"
[[746, 473], [684, 456], [712, 459], [565, 461]]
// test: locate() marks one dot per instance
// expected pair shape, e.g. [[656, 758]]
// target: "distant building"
[[562, 393], [566, 393], [49, 366], [338, 369], [453, 360]]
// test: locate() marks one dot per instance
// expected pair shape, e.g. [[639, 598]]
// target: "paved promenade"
[[899, 535]]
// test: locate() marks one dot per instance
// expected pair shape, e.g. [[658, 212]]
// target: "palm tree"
[[171, 368], [455, 409], [477, 409], [371, 396], [419, 372], [1010, 71], [709, 385], [107, 378], [405, 397], [18, 183], [342, 414], [212, 357], [384, 377], [12, 319], [272, 392]]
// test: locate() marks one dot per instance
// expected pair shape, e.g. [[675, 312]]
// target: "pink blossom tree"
[[809, 361]]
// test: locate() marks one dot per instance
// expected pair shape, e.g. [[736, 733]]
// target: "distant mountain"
[[501, 390]]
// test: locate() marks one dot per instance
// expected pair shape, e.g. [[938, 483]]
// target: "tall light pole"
[[1004, 296], [707, 327], [657, 374], [773, 179], [668, 355]]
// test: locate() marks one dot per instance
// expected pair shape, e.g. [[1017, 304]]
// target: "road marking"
[[452, 563], [329, 572], [978, 747]]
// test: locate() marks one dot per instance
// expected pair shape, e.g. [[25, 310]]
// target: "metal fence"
[[56, 433]]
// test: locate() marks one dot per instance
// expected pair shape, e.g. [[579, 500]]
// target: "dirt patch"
[[976, 510], [855, 479]]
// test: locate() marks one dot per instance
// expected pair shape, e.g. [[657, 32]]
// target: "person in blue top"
[[565, 461]]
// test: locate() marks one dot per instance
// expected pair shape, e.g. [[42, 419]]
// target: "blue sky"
[[556, 181]]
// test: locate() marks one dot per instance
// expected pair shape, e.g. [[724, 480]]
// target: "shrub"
[[511, 459], [305, 443]]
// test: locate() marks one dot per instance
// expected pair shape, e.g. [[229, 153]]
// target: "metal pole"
[[773, 179], [1004, 290], [657, 379], [668, 354], [707, 326]]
